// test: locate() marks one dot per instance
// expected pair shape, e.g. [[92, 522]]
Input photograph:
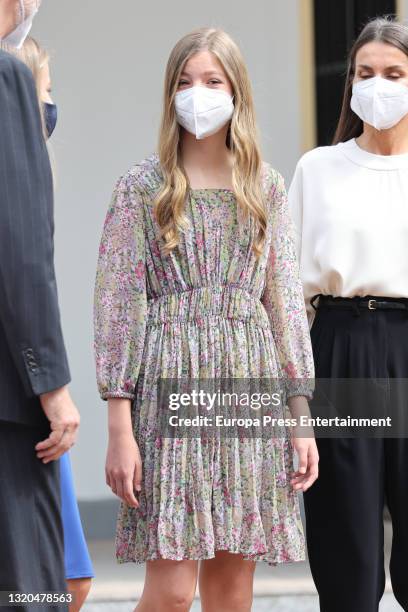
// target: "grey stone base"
[[99, 518], [301, 603]]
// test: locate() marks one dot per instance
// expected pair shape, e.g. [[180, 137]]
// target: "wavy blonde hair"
[[242, 139]]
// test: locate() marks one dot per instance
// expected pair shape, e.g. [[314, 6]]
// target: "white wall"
[[107, 68]]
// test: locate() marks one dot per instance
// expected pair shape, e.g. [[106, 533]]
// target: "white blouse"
[[350, 209]]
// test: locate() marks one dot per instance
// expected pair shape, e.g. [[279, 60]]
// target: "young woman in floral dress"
[[198, 278]]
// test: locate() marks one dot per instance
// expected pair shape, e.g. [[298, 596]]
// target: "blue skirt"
[[78, 563]]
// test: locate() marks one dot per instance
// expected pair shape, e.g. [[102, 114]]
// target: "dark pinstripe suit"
[[32, 353]]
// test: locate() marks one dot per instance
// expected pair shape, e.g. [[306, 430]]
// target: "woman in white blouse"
[[349, 202]]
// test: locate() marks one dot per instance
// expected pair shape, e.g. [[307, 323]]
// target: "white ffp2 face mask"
[[17, 37], [379, 102], [203, 111]]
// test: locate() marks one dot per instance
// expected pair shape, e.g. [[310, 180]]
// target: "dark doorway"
[[336, 25]]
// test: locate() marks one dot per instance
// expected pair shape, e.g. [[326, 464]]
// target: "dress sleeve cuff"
[[117, 394], [300, 386]]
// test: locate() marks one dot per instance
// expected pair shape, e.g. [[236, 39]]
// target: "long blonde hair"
[[242, 139], [34, 57]]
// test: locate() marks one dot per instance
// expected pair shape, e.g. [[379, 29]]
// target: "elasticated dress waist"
[[197, 304]]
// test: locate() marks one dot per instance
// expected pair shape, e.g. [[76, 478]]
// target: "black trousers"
[[31, 535], [344, 508]]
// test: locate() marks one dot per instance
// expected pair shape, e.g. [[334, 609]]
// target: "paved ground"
[[287, 588], [302, 603]]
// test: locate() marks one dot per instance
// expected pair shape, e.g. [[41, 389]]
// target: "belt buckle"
[[371, 304]]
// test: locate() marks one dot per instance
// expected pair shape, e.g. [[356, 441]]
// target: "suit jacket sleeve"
[[29, 308]]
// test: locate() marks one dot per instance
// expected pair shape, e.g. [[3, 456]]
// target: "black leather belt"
[[380, 303]]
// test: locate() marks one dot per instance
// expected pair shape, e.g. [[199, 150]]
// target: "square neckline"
[[156, 161], [205, 189]]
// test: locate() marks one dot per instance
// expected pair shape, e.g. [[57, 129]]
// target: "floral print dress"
[[208, 309]]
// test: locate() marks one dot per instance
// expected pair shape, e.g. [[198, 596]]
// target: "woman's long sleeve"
[[295, 202], [295, 206], [120, 301], [283, 297]]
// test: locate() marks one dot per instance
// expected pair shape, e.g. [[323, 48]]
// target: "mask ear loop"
[[195, 118], [228, 139], [22, 12]]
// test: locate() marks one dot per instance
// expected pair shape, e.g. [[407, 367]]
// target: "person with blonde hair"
[[197, 279], [37, 59]]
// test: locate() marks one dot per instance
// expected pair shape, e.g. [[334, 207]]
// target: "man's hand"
[[64, 422]]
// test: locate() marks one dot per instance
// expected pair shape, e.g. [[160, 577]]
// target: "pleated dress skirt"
[[199, 496]]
